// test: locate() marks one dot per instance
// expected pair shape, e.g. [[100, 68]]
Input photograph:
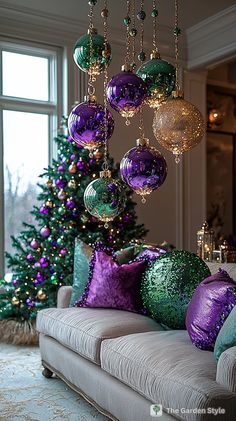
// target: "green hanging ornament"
[[100, 56], [159, 76], [104, 198]]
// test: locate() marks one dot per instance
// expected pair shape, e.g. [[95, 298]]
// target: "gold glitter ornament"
[[72, 184], [41, 295], [49, 203], [15, 301], [49, 182], [178, 126]]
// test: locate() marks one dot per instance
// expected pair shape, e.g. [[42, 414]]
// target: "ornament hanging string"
[[133, 33], [105, 34], [127, 21], [91, 89], [141, 16], [154, 15], [177, 32]]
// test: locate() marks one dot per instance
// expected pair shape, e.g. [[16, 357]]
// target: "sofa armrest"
[[226, 369], [63, 297]]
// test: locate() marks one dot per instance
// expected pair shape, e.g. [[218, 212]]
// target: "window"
[[28, 116]]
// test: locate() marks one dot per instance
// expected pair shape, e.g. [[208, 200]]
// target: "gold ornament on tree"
[[15, 301], [178, 125], [41, 295]]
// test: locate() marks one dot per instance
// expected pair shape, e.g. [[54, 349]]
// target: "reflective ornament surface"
[[104, 197], [178, 126], [143, 168], [86, 124], [99, 57], [126, 93], [159, 76], [168, 286]]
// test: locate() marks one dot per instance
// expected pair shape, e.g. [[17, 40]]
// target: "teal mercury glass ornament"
[[100, 56], [104, 197], [159, 76], [168, 286]]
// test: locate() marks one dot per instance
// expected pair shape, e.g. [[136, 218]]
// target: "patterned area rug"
[[25, 395]]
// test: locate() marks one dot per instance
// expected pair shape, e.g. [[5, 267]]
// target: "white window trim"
[[52, 108]]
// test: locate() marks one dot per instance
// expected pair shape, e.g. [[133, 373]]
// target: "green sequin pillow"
[[168, 285]]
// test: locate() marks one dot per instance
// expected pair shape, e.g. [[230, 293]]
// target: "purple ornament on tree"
[[36, 265], [70, 204], [61, 168], [61, 183], [40, 277], [14, 282], [72, 157], [126, 93], [86, 124], [30, 302], [63, 251], [143, 168], [45, 232], [34, 244], [44, 262], [30, 258], [44, 210]]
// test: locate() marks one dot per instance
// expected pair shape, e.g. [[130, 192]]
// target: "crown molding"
[[212, 40], [37, 25]]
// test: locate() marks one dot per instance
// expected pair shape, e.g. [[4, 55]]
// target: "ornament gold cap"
[[126, 68], [92, 31], [155, 54], [105, 174], [142, 141], [90, 98], [178, 93]]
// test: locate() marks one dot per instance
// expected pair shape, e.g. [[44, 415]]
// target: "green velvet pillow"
[[82, 258], [227, 335]]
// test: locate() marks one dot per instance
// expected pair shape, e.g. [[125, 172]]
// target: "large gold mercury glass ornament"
[[178, 125]]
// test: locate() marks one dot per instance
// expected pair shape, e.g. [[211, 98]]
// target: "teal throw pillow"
[[227, 335], [82, 257]]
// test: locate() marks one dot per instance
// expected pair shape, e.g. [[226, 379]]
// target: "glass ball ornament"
[[178, 126], [143, 168], [159, 76], [86, 124], [126, 93], [100, 57], [104, 198]]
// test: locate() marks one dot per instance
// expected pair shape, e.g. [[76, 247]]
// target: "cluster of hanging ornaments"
[[178, 125]]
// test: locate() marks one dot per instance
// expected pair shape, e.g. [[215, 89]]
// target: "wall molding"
[[212, 40]]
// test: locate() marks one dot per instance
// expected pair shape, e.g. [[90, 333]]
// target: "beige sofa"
[[124, 362]]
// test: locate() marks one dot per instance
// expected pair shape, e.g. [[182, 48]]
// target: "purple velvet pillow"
[[150, 254], [111, 285], [211, 304]]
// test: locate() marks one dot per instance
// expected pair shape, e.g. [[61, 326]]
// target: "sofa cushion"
[[83, 329], [167, 369]]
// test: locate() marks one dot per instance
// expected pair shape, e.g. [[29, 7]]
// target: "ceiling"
[[191, 11]]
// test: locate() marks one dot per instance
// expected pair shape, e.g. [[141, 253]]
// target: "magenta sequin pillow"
[[111, 285], [210, 306]]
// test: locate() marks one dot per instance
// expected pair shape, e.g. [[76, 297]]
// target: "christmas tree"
[[43, 260]]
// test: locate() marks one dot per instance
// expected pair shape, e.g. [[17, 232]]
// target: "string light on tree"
[[178, 125]]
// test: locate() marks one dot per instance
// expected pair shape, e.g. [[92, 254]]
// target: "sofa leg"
[[47, 373]]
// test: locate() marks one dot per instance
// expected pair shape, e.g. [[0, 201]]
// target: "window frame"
[[52, 107]]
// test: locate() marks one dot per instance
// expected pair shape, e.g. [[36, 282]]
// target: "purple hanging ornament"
[[30, 303], [45, 232], [61, 168], [29, 258], [143, 168], [126, 93], [14, 282], [34, 244], [40, 277], [86, 124]]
